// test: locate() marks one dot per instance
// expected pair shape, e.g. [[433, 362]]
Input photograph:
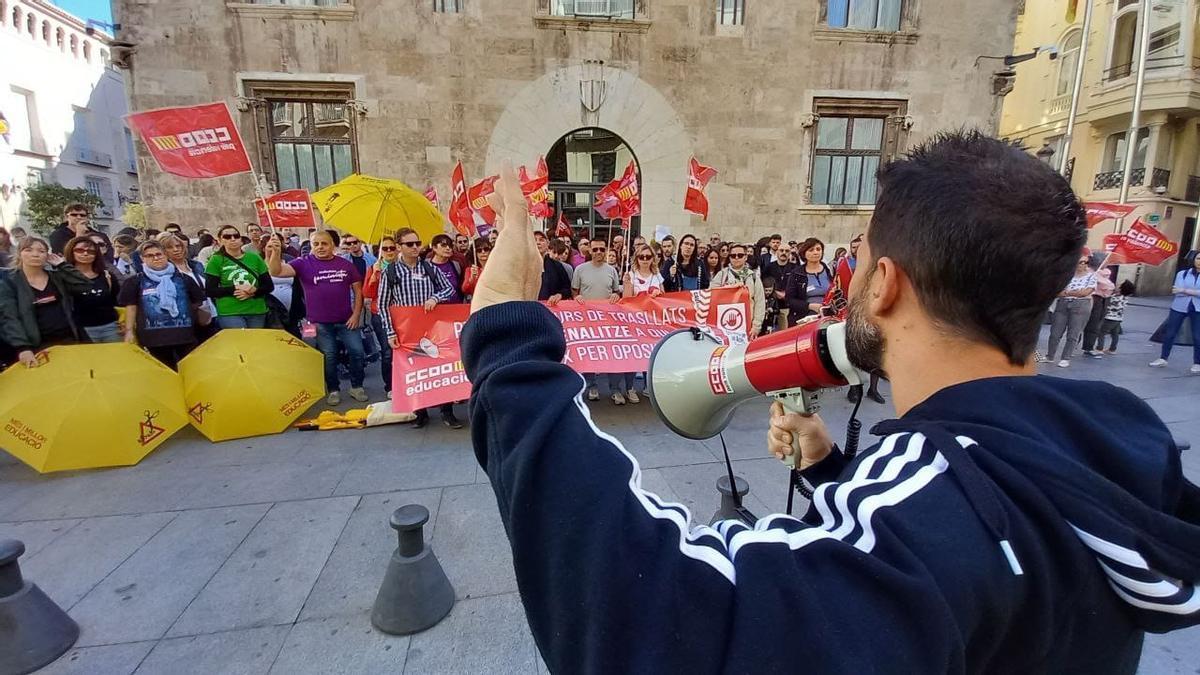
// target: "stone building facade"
[[792, 101]]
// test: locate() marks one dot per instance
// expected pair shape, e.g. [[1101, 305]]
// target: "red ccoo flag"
[[289, 208], [698, 176], [1098, 212], [620, 198], [836, 300], [477, 195], [536, 190], [460, 206], [562, 229], [199, 141], [1141, 244]]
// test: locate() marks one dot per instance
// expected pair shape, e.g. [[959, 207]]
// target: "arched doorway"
[[581, 163]]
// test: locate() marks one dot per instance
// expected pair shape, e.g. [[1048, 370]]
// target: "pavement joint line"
[[317, 578], [212, 576], [224, 506], [123, 561]]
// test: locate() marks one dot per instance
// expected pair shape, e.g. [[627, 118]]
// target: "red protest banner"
[[1100, 211], [290, 208], [602, 337], [193, 142], [695, 200], [1141, 244], [536, 190], [620, 198]]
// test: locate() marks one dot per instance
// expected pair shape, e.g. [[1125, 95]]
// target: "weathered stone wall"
[[494, 83]]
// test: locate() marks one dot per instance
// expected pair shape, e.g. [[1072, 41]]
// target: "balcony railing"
[[1059, 104], [1158, 63], [1192, 193], [89, 156], [1108, 180]]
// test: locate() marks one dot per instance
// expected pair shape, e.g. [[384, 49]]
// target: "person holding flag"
[[1185, 305]]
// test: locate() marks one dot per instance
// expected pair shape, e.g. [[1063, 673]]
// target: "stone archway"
[[550, 107]]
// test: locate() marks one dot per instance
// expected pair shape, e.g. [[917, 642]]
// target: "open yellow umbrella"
[[89, 406], [370, 208], [248, 382]]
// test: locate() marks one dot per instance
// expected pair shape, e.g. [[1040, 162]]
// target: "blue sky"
[[100, 10]]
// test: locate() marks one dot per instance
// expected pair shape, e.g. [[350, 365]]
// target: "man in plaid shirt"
[[414, 282]]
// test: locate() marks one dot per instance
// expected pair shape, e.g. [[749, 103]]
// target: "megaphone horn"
[[696, 382]]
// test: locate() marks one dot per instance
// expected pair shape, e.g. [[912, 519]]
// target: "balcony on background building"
[[610, 9], [1111, 180], [1192, 193], [1123, 70], [1059, 105], [89, 156]]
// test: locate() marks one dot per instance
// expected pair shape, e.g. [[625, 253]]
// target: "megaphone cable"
[[796, 482]]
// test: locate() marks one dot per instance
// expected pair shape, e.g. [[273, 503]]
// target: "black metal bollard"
[[33, 630], [415, 594], [729, 509]]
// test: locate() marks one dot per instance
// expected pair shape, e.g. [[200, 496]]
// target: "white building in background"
[[64, 106]]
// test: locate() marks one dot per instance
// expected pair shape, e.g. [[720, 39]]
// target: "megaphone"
[[696, 383]]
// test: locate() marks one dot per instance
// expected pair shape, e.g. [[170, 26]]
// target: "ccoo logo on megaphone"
[[696, 382]]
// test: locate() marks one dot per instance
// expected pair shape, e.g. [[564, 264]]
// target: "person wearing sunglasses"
[[77, 222], [238, 281], [477, 260], [161, 306], [414, 282], [330, 283], [1071, 312], [740, 274], [598, 281], [389, 254], [96, 309], [37, 301]]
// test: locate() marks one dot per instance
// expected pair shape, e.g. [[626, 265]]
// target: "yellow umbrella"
[[247, 382], [370, 208], [89, 406]]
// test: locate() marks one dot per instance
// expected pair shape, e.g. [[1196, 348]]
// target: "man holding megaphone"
[[1006, 522]]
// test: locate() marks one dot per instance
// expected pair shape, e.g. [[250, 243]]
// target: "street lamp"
[[1045, 153]]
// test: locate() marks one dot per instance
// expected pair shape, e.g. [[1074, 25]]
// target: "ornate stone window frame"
[[343, 11], [907, 35], [897, 123], [542, 18]]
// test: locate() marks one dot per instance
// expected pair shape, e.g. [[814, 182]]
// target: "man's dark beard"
[[864, 340]]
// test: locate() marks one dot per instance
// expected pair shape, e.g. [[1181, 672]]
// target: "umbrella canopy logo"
[[148, 431], [197, 411]]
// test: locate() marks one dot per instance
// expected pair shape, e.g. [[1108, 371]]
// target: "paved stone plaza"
[[264, 555]]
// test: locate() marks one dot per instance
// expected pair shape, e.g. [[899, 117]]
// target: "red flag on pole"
[[432, 195], [460, 206], [193, 142], [289, 208], [1098, 212], [837, 297], [536, 190], [477, 195], [698, 176], [1142, 243], [620, 198]]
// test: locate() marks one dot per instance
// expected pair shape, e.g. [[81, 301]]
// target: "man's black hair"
[[987, 233]]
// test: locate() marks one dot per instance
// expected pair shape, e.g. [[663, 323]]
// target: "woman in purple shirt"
[[443, 249]]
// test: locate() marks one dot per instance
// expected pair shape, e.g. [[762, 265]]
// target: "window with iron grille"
[[298, 3], [611, 9], [883, 15], [731, 12], [851, 140], [307, 135], [448, 6]]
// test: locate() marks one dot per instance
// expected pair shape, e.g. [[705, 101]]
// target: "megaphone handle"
[[801, 401]]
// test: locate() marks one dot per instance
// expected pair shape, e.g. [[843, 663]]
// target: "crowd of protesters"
[[168, 292]]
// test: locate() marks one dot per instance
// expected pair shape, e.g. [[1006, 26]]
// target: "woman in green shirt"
[[238, 282]]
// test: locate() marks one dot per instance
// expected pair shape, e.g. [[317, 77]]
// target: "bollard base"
[[33, 631], [415, 595]]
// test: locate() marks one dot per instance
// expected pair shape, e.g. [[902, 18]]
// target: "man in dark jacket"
[[1005, 523], [556, 282], [77, 222]]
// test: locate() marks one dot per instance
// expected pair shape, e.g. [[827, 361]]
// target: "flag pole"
[[1077, 88], [1135, 116], [261, 194]]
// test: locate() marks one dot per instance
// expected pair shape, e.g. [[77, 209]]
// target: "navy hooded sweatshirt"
[[1016, 524]]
